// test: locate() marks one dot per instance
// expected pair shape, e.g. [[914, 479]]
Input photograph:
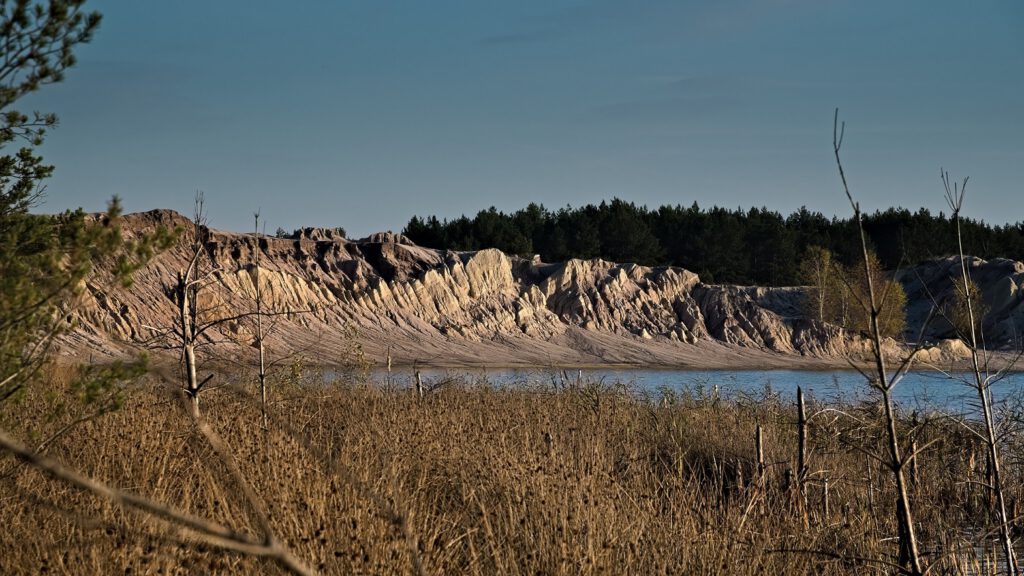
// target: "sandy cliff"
[[930, 285], [477, 308]]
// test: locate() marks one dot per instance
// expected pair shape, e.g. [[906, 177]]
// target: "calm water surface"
[[917, 390]]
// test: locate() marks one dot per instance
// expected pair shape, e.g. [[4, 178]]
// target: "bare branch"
[[200, 529]]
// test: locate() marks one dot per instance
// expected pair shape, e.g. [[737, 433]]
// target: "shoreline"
[[712, 357]]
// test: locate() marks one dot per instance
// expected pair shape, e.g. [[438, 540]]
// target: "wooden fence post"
[[761, 485], [801, 463]]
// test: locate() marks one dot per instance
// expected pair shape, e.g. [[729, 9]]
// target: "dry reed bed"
[[472, 479]]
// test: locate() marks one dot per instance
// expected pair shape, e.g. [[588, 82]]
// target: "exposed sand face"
[[383, 295]]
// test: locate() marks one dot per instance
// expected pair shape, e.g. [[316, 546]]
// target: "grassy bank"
[[586, 479]]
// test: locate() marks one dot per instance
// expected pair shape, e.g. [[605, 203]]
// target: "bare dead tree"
[[895, 460], [262, 368], [264, 317], [955, 192], [186, 294], [191, 527], [194, 321]]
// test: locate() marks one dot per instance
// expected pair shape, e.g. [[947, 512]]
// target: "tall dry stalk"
[[909, 552], [955, 193]]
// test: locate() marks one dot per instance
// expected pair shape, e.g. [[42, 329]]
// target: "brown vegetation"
[[839, 294], [584, 478]]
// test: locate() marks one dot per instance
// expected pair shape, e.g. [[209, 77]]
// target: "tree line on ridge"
[[753, 246]]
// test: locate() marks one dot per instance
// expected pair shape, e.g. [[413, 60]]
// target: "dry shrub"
[[479, 480]]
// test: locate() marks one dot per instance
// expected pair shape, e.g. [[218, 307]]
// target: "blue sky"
[[361, 114]]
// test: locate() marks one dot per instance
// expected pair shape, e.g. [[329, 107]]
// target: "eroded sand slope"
[[448, 308]]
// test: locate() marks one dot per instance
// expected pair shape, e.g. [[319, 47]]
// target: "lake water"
[[916, 391]]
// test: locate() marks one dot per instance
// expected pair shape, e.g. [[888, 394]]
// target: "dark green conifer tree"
[[44, 259]]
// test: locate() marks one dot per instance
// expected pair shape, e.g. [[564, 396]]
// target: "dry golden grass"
[[479, 480]]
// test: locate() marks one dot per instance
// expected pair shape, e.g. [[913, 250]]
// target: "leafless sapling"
[[884, 382], [982, 377]]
